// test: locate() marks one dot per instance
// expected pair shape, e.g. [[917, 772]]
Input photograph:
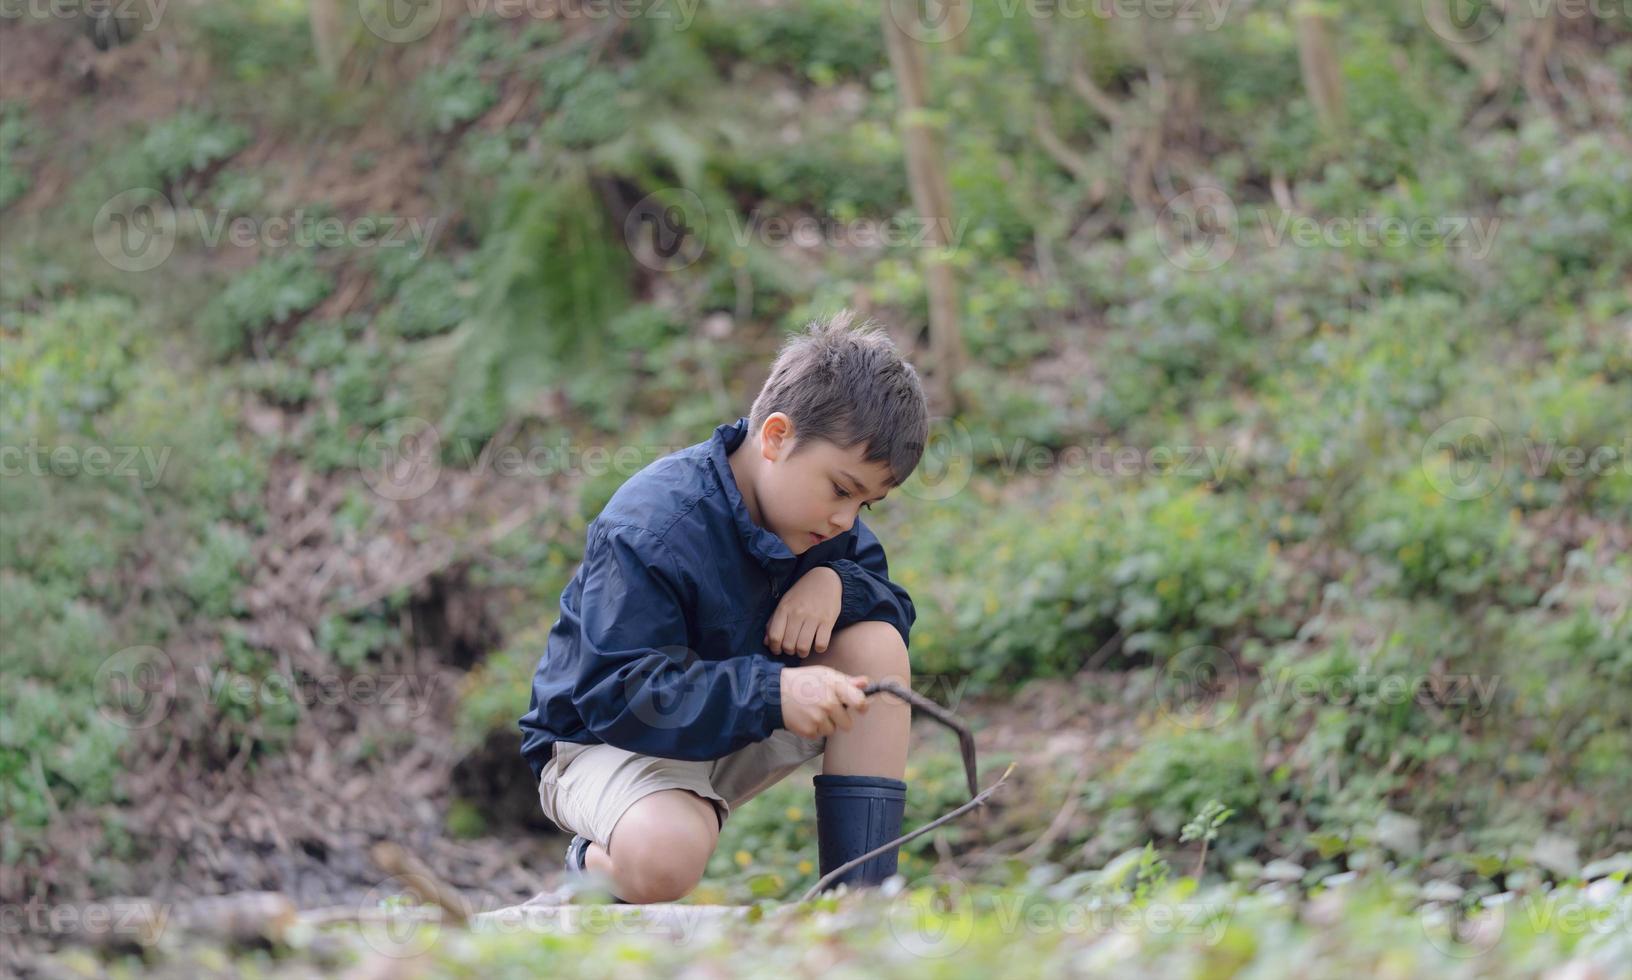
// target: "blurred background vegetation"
[[1123, 187]]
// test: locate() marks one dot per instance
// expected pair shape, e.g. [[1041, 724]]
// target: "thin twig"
[[1068, 809]]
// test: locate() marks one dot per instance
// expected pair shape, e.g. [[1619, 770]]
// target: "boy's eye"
[[840, 490], [866, 506]]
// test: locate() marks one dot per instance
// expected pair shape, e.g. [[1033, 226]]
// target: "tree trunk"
[[1322, 71], [931, 196], [328, 30]]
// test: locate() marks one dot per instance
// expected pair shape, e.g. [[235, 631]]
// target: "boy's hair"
[[845, 382]]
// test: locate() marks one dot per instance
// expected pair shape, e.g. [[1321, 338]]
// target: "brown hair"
[[845, 382]]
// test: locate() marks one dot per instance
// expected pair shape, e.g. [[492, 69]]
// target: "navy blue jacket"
[[660, 648]]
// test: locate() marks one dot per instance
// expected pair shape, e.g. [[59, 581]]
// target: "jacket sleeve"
[[868, 591], [639, 687]]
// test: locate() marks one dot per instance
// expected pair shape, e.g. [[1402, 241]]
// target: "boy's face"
[[816, 492]]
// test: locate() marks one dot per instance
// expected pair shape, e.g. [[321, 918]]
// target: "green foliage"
[[1164, 569], [1437, 545], [1206, 823], [65, 366], [254, 41], [270, 293], [14, 139], [1173, 774], [825, 40], [551, 276], [455, 92], [217, 572], [430, 299], [167, 154]]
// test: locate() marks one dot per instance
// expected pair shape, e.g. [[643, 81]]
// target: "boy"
[[729, 610]]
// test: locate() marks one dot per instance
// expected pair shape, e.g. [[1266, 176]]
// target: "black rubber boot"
[[855, 814]]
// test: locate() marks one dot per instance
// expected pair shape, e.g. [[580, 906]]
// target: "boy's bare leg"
[[876, 744], [663, 843]]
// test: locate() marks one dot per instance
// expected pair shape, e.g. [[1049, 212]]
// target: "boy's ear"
[[776, 436]]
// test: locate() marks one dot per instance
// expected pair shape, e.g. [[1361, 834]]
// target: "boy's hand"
[[817, 701], [803, 621]]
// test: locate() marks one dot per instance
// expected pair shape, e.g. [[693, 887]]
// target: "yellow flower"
[[805, 867], [743, 859], [793, 813]]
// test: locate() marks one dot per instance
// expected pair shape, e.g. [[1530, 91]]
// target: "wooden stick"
[[966, 739], [419, 879]]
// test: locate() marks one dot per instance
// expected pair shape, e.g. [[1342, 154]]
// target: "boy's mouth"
[[816, 538]]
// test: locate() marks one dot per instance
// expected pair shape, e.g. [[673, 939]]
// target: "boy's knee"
[[659, 851], [870, 647]]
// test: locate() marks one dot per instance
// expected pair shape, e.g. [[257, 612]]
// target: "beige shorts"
[[585, 789]]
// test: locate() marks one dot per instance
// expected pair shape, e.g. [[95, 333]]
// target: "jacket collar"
[[766, 547]]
